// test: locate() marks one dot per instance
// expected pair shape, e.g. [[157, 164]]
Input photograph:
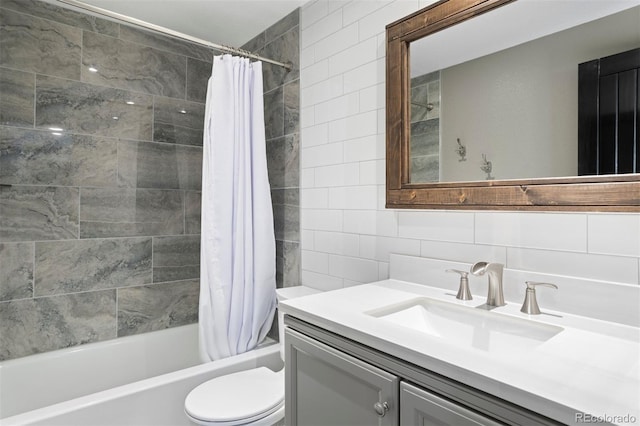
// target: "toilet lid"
[[245, 395]]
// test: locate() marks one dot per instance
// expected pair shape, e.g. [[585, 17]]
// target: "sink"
[[481, 329]]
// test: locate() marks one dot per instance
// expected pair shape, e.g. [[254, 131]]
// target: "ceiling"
[[227, 22]]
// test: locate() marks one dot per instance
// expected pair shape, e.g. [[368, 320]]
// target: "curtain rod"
[[172, 33]]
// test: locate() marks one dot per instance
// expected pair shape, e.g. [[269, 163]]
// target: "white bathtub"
[[138, 380]]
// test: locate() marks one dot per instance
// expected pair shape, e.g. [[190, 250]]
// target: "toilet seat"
[[238, 398]]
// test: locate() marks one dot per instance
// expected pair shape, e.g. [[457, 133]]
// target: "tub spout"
[[495, 295]]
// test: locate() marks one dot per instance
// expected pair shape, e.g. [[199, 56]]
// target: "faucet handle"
[[463, 292], [530, 305]]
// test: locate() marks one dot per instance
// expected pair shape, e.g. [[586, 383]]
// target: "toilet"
[[252, 397]]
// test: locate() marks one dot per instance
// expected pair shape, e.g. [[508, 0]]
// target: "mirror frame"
[[585, 193]]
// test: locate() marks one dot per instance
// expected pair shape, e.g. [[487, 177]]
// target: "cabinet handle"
[[381, 408]]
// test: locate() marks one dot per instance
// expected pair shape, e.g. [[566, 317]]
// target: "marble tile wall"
[[282, 119], [100, 173], [425, 128]]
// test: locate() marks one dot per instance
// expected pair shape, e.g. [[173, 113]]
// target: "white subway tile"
[[320, 92], [314, 198], [372, 98], [387, 222], [382, 122], [349, 283], [425, 3], [354, 197], [590, 266], [366, 75], [307, 240], [338, 175], [337, 243], [533, 230], [372, 172], [322, 155], [384, 246], [360, 221], [348, 59], [321, 28], [307, 117], [375, 23], [308, 178], [315, 73], [314, 135], [336, 4], [362, 149], [383, 271], [382, 45], [307, 58], [321, 219], [382, 200], [354, 269], [352, 127], [355, 10], [336, 42], [337, 108], [315, 262], [616, 234], [438, 226], [312, 12], [460, 252], [320, 281], [367, 247]]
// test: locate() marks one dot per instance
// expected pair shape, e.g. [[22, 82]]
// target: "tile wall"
[[348, 235], [425, 128], [281, 42], [100, 160]]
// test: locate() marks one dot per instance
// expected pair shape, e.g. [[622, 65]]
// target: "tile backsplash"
[[101, 128], [348, 237]]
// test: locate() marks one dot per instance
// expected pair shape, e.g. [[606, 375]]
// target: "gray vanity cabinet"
[[333, 380], [326, 387], [421, 408]]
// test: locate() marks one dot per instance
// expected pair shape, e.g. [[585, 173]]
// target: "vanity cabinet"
[[332, 380], [325, 386]]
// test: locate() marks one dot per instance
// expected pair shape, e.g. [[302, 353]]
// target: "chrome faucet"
[[495, 296]]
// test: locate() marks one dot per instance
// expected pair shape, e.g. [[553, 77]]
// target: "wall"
[[348, 235], [525, 102], [281, 42], [425, 128], [99, 230]]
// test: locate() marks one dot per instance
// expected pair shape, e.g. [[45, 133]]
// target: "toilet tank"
[[287, 293]]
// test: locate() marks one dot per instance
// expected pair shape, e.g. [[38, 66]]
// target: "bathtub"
[[137, 380]]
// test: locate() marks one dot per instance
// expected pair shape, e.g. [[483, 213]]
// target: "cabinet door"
[[326, 387], [419, 407]]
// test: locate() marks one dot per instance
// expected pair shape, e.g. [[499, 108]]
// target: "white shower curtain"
[[237, 256]]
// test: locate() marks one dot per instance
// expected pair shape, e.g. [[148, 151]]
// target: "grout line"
[[33, 277]]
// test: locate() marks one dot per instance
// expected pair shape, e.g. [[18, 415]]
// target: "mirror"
[[523, 116], [467, 107]]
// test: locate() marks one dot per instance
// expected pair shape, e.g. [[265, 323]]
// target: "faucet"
[[495, 296]]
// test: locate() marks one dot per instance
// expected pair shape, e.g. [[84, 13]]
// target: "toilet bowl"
[[251, 397]]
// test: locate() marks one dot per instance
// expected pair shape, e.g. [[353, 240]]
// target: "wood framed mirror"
[[611, 192]]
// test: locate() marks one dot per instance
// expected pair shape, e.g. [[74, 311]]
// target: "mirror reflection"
[[513, 112]]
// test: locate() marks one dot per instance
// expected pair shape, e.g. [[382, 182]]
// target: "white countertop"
[[590, 367]]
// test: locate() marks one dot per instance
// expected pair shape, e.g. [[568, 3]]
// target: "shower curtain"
[[237, 255]]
